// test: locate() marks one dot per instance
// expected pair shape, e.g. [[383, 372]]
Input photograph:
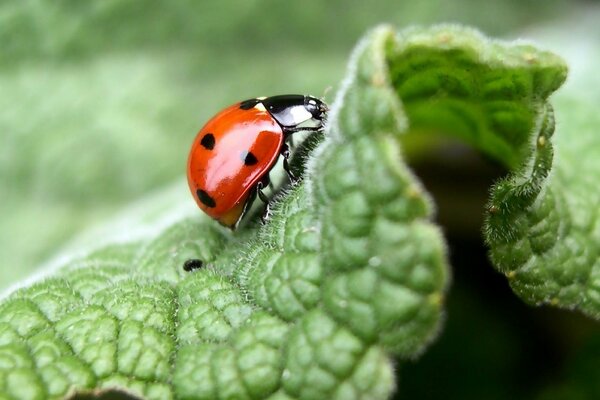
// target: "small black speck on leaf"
[[192, 264]]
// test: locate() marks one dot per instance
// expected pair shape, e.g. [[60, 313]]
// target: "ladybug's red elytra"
[[232, 155]]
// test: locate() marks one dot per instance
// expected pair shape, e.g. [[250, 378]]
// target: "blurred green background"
[[99, 101]]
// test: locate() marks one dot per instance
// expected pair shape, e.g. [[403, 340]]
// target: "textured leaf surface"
[[349, 271], [543, 224]]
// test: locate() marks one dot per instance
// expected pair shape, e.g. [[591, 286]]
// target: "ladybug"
[[232, 155]]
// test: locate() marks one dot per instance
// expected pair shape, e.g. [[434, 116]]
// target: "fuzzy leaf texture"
[[348, 274]]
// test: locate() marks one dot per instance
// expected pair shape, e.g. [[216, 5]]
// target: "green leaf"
[[349, 272], [543, 224]]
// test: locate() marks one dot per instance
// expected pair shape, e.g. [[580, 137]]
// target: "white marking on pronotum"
[[300, 114]]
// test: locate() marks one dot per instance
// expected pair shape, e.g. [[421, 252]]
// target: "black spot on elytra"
[[192, 264], [208, 141], [248, 104], [248, 158], [205, 198]]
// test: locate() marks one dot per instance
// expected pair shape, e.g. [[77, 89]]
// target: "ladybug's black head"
[[296, 112], [315, 107]]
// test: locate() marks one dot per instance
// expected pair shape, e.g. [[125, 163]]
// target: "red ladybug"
[[232, 155]]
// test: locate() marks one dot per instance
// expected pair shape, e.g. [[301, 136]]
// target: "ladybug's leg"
[[288, 130], [266, 181], [259, 187], [285, 152]]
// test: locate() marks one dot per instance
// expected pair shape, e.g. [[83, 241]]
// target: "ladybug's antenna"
[[326, 92]]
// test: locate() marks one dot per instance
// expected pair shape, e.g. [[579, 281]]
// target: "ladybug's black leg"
[[285, 152], [266, 181], [289, 130], [267, 213]]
